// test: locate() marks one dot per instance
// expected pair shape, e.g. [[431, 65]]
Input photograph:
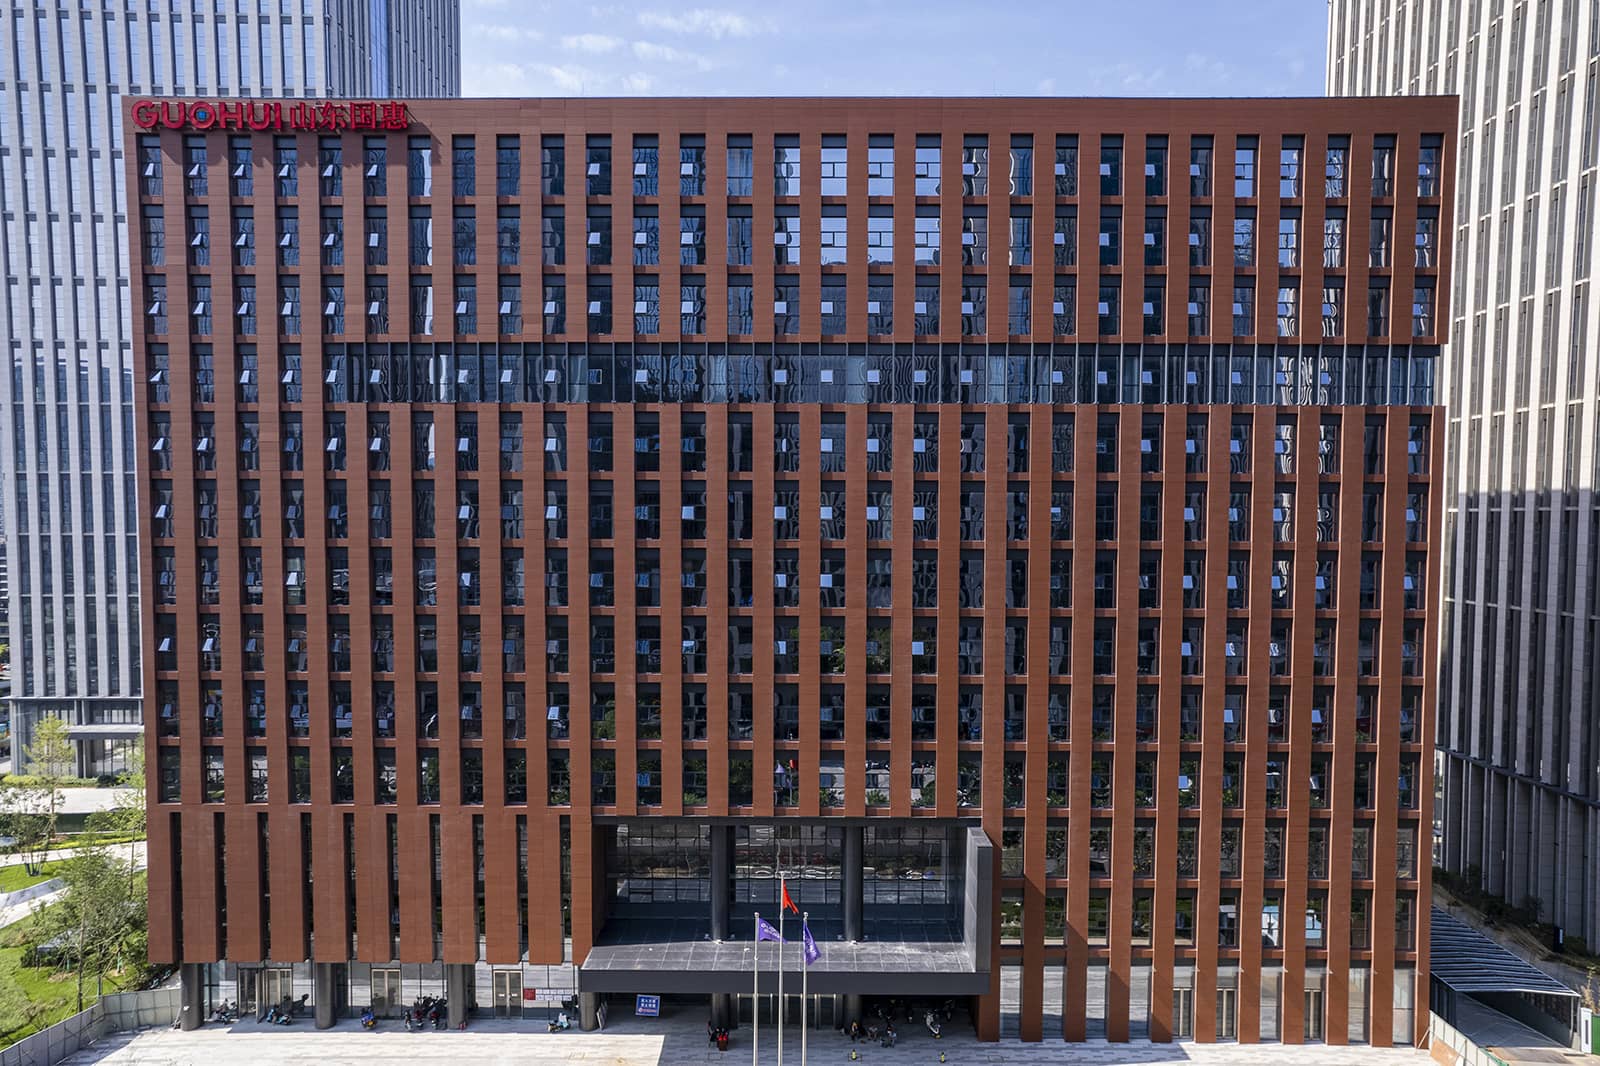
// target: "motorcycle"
[[368, 1019], [559, 1024], [225, 1013], [429, 1012], [278, 1016], [718, 1035]]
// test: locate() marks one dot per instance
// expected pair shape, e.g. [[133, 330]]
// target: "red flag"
[[787, 902]]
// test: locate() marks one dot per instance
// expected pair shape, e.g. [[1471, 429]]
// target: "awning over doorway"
[[1472, 964], [845, 968], [105, 730]]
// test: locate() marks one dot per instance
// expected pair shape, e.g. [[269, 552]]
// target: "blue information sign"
[[647, 1007]]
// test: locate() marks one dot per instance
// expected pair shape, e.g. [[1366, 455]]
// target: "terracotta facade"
[[1311, 671]]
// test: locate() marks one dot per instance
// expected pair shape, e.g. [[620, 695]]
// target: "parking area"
[[668, 1042]]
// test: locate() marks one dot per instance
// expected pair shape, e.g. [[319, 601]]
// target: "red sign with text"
[[322, 116]]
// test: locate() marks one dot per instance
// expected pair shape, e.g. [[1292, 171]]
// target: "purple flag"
[[810, 951], [764, 931]]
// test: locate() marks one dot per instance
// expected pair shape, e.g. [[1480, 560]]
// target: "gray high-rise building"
[[66, 398], [1519, 725]]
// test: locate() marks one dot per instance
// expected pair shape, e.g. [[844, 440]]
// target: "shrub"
[[25, 780]]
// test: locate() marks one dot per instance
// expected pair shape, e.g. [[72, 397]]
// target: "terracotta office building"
[[1011, 522]]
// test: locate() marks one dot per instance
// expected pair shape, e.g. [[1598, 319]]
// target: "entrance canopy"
[[847, 968], [1471, 964], [902, 909]]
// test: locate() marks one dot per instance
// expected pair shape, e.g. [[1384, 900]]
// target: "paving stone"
[[676, 1041]]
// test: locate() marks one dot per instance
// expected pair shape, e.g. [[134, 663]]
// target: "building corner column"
[[457, 992], [722, 1004], [324, 996], [721, 877], [854, 838], [191, 996]]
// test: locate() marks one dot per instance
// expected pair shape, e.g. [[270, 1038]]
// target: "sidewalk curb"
[[23, 895]]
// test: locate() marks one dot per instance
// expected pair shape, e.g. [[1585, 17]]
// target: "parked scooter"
[[931, 1019], [559, 1024], [225, 1013], [429, 1012], [368, 1019], [277, 1015]]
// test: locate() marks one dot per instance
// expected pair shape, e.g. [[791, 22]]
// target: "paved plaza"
[[670, 1042], [90, 800]]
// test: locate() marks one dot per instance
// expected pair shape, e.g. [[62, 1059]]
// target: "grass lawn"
[[15, 877], [51, 996], [54, 997], [91, 840]]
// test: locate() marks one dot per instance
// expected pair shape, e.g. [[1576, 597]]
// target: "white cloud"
[[553, 79], [499, 31], [706, 21], [595, 43], [1142, 81], [665, 53], [1217, 70], [495, 79], [1126, 79], [570, 79], [1295, 61]]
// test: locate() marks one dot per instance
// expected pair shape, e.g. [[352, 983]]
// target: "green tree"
[[98, 925], [49, 762], [128, 817], [50, 755], [25, 824]]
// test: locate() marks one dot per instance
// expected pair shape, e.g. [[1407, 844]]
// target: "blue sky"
[[891, 47]]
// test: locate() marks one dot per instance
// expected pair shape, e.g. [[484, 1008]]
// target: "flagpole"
[[804, 1003], [780, 976], [755, 996]]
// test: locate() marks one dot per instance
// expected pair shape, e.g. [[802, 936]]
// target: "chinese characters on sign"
[[327, 116]]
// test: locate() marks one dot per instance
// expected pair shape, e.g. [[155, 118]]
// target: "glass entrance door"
[[277, 985], [385, 992], [249, 983], [1182, 1013], [1314, 1016], [507, 993], [1227, 1013]]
